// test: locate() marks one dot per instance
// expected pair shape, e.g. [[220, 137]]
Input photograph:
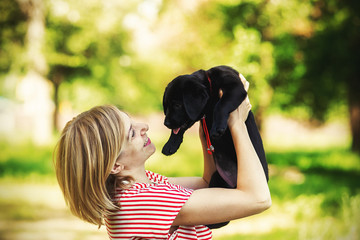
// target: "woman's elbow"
[[263, 204], [266, 204], [255, 205], [259, 201]]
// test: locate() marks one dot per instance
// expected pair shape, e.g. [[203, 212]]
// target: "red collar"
[[208, 77], [210, 147]]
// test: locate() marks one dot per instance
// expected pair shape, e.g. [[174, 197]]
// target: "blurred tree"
[[332, 58], [13, 27], [296, 54], [323, 62], [32, 89], [80, 40], [94, 50], [315, 48], [90, 58]]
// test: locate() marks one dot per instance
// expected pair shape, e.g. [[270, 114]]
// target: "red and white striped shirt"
[[148, 210]]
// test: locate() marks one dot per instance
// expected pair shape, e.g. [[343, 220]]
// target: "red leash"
[[210, 147]]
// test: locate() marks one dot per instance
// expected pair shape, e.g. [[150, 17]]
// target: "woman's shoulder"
[[156, 188], [156, 178], [153, 190]]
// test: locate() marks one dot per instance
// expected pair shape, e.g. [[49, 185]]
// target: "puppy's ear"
[[195, 97], [201, 74]]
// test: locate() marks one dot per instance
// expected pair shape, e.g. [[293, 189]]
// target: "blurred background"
[[61, 57]]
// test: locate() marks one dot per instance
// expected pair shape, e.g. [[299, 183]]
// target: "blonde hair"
[[84, 157]]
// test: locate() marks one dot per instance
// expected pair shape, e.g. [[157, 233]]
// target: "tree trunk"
[[36, 96], [57, 79], [355, 125], [354, 111], [56, 107], [259, 118]]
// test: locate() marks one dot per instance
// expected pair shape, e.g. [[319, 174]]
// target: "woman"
[[100, 167]]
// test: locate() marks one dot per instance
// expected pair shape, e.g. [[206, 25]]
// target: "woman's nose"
[[144, 128]]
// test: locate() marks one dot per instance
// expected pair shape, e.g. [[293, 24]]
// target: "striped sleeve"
[[147, 211], [156, 178]]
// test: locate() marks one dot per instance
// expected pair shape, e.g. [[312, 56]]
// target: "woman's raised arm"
[[251, 196]]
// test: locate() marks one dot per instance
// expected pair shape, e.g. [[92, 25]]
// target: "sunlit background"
[[61, 57]]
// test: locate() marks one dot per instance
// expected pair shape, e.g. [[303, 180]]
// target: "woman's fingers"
[[245, 82], [246, 86]]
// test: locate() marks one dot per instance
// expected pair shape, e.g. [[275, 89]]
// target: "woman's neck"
[[138, 175]]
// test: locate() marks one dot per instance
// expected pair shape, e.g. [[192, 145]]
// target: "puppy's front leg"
[[219, 122], [173, 144], [232, 97]]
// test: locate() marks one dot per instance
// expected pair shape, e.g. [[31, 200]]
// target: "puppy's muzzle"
[[167, 123]]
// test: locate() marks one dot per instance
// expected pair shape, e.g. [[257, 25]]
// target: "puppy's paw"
[[219, 126], [169, 149], [217, 132], [172, 145]]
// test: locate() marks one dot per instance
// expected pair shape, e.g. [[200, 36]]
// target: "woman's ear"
[[118, 167]]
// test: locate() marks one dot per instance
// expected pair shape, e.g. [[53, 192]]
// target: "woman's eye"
[[133, 133]]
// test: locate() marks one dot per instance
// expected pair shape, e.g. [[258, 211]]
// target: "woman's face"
[[138, 147]]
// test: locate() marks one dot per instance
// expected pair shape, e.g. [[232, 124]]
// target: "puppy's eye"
[[132, 133], [177, 105]]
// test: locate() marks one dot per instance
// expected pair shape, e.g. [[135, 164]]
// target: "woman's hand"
[[240, 114]]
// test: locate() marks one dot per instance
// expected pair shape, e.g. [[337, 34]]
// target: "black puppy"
[[189, 98]]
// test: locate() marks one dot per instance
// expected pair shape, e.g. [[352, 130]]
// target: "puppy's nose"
[[167, 123]]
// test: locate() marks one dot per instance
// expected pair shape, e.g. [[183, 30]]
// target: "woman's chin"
[[150, 149]]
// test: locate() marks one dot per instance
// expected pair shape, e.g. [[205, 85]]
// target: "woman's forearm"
[[251, 178], [252, 195]]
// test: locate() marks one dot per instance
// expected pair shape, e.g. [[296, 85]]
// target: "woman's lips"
[[148, 142]]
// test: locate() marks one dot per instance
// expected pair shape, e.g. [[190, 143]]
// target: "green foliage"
[[25, 159], [281, 47], [314, 55], [12, 40], [12, 34]]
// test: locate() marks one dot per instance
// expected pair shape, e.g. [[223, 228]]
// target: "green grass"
[[22, 210], [333, 173], [319, 191], [279, 234], [328, 159]]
